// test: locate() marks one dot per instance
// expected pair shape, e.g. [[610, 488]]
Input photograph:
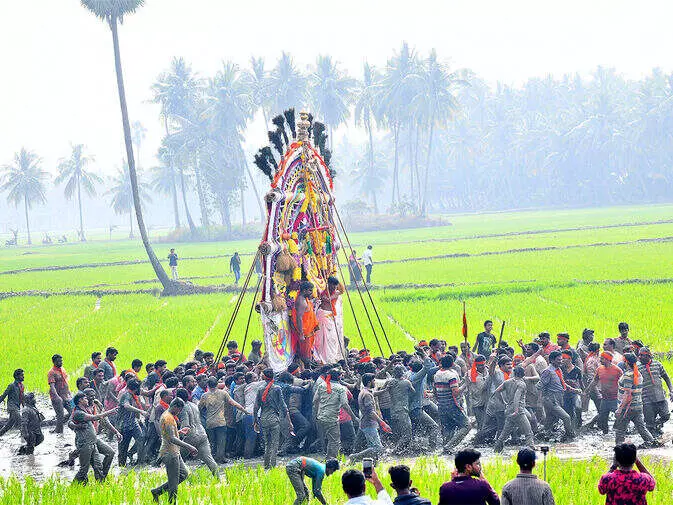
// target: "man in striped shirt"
[[655, 403], [631, 404], [455, 424]]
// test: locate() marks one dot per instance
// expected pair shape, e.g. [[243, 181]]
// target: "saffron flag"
[[464, 323]]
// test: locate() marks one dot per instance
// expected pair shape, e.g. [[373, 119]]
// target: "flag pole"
[[464, 323]]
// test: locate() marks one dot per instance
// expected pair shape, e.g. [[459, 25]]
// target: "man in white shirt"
[[368, 262], [353, 484]]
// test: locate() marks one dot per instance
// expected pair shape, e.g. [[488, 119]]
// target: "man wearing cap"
[[299, 467], [526, 488], [607, 377], [631, 404], [623, 339], [655, 403], [552, 386]]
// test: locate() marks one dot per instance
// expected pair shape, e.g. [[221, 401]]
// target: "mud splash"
[[55, 448]]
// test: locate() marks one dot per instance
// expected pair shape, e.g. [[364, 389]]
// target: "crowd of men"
[[409, 403]]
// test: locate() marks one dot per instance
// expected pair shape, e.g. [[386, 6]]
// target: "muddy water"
[[55, 448]]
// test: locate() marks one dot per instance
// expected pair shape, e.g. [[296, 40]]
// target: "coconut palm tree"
[[24, 181], [257, 80], [366, 106], [73, 171], [371, 177], [139, 132], [178, 91], [122, 192], [287, 85], [330, 91], [163, 179], [400, 84], [113, 12], [231, 106], [434, 106]]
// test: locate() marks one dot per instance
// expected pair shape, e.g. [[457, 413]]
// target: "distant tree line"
[[435, 139]]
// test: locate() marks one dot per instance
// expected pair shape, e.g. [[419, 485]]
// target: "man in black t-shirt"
[[485, 340]]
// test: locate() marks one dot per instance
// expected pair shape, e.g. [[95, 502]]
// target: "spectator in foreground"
[[622, 484], [526, 489], [400, 481], [468, 485], [353, 484]]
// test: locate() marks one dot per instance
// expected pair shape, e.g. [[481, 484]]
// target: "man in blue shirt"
[[298, 467]]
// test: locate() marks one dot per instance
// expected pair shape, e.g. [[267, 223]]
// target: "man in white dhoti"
[[329, 345]]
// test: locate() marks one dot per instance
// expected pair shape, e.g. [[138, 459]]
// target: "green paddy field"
[[558, 271]]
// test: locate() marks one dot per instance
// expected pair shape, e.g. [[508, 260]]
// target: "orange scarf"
[[473, 371], [647, 366], [266, 391], [505, 374], [114, 368], [60, 370], [328, 381], [137, 400], [636, 375], [164, 405], [560, 376]]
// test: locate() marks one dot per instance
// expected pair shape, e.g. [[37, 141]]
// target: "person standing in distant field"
[[526, 488], [622, 484], [485, 340], [173, 263], [368, 262], [235, 266]]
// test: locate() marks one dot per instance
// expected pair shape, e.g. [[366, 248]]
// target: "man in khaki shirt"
[[169, 454]]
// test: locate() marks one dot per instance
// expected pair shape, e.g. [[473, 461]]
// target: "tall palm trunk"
[[174, 195], [158, 269], [396, 189], [190, 221], [25, 207], [368, 127], [81, 220], [200, 192], [131, 223], [175, 191], [412, 176], [242, 160], [242, 210], [424, 199]]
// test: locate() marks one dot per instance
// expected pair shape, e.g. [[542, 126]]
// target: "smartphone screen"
[[367, 465]]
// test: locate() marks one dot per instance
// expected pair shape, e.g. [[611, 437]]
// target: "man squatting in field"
[[503, 398]]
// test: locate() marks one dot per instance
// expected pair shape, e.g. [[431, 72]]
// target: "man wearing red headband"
[[476, 387], [607, 377], [655, 403]]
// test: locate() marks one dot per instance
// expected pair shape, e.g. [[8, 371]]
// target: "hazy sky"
[[58, 75]]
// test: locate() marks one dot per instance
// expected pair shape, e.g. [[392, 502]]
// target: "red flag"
[[464, 323]]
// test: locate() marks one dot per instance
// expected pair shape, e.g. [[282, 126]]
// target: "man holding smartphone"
[[353, 484]]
